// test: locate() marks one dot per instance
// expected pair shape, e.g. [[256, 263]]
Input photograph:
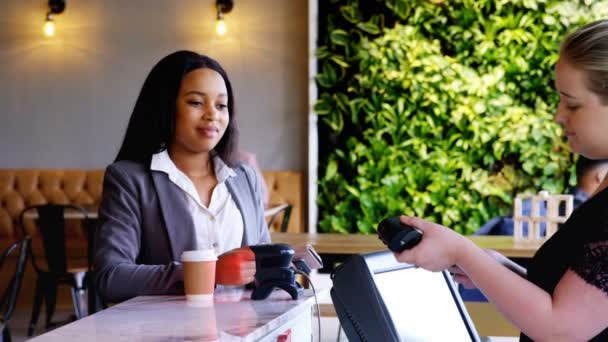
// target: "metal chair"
[[10, 294], [95, 302], [274, 212], [50, 222]]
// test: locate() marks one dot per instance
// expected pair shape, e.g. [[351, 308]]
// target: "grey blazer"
[[144, 225]]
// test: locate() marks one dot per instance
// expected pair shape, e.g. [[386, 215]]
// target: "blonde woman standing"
[[564, 295]]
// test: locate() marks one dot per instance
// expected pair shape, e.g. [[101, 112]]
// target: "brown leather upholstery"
[[287, 187], [22, 188], [25, 187]]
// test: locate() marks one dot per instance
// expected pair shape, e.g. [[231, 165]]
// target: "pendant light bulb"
[[220, 25], [49, 26]]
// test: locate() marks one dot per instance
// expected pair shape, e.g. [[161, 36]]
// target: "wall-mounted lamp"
[[222, 6], [55, 7]]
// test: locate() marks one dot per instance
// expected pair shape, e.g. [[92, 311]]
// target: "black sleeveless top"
[[580, 245]]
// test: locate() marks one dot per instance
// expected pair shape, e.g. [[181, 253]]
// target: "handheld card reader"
[[398, 236]]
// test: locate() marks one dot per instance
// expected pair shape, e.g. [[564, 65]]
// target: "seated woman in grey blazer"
[[175, 185]]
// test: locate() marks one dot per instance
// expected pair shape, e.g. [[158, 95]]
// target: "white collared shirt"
[[219, 226]]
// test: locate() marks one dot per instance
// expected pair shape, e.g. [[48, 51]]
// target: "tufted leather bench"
[[22, 188]]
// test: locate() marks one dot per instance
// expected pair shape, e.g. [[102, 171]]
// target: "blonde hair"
[[587, 49]]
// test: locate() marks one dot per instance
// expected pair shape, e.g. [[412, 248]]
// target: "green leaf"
[[352, 190], [328, 77], [339, 61], [369, 27], [400, 7], [339, 37], [331, 171], [322, 52], [321, 107], [350, 13]]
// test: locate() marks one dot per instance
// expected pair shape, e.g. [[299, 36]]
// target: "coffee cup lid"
[[199, 255]]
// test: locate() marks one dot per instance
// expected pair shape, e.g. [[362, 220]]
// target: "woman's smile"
[[208, 131]]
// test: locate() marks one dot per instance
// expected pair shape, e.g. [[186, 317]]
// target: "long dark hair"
[[152, 125]]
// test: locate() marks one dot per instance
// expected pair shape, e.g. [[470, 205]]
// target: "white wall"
[[65, 101]]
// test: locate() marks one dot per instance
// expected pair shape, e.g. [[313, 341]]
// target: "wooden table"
[[331, 243]]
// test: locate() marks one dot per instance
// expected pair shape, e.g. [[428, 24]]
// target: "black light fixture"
[[55, 7], [222, 6]]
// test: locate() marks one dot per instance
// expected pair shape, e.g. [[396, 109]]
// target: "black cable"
[[314, 292]]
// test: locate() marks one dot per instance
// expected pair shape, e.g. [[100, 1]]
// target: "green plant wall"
[[441, 109]]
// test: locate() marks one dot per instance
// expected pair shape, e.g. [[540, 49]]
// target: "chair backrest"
[[9, 296], [273, 213], [50, 222]]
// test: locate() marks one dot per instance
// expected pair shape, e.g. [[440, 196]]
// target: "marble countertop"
[[233, 317]]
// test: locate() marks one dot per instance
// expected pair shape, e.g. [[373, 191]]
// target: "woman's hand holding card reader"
[[398, 236]]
